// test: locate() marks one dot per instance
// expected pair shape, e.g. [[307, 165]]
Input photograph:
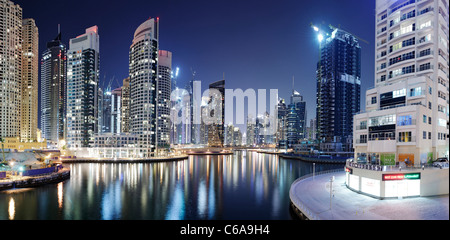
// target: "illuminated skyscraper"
[[82, 89], [164, 90], [125, 125], [143, 73], [53, 91], [338, 90], [30, 80], [10, 69]]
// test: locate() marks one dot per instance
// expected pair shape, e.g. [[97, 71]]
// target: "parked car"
[[441, 162]]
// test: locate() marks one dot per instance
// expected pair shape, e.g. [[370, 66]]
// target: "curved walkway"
[[312, 197]]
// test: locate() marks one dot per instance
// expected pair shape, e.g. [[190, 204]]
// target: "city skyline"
[[252, 38]]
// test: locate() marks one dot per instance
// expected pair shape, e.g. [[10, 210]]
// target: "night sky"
[[256, 44]]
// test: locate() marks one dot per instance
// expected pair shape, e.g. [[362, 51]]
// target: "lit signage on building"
[[401, 176]]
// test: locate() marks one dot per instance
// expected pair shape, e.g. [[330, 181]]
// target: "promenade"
[[312, 197]]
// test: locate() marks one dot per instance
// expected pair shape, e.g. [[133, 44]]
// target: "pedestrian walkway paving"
[[312, 196]]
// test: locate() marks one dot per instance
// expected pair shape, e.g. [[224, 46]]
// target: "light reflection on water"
[[246, 185]]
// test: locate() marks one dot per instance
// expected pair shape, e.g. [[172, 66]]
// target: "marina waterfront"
[[244, 186]]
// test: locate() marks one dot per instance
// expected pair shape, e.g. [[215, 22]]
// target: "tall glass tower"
[[143, 73], [83, 67], [53, 92], [338, 90]]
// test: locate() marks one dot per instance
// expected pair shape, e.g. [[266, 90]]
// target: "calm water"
[[246, 185]]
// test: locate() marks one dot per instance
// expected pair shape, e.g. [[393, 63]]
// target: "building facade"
[[82, 89], [281, 133], [104, 118], [116, 101], [143, 73], [125, 124], [338, 88], [10, 69], [217, 102], [53, 92], [407, 110], [30, 80], [164, 90], [296, 119]]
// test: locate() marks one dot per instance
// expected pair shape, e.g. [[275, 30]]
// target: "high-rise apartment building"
[[83, 67], [10, 69], [30, 80], [338, 89], [164, 90], [407, 111], [296, 119], [125, 124], [116, 101], [53, 92], [105, 110], [143, 73]]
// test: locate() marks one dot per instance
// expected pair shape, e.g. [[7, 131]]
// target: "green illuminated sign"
[[412, 176]]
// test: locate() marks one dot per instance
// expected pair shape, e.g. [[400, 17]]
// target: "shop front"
[[381, 184]]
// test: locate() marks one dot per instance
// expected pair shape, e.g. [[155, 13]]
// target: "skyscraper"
[[338, 89], [407, 111], [30, 80], [83, 67], [116, 101], [104, 123], [296, 119], [251, 125], [125, 125], [53, 91], [10, 69], [216, 129], [281, 134], [164, 90], [143, 73]]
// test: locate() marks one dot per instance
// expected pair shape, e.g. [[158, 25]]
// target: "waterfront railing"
[[311, 215]]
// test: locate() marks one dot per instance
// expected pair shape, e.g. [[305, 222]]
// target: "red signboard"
[[393, 177]]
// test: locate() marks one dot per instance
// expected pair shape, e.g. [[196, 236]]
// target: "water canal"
[[246, 185]]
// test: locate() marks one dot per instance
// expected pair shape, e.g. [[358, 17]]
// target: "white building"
[[407, 111], [164, 90], [10, 68], [82, 89]]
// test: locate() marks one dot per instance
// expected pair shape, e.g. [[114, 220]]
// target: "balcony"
[[361, 141], [424, 67], [409, 139]]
